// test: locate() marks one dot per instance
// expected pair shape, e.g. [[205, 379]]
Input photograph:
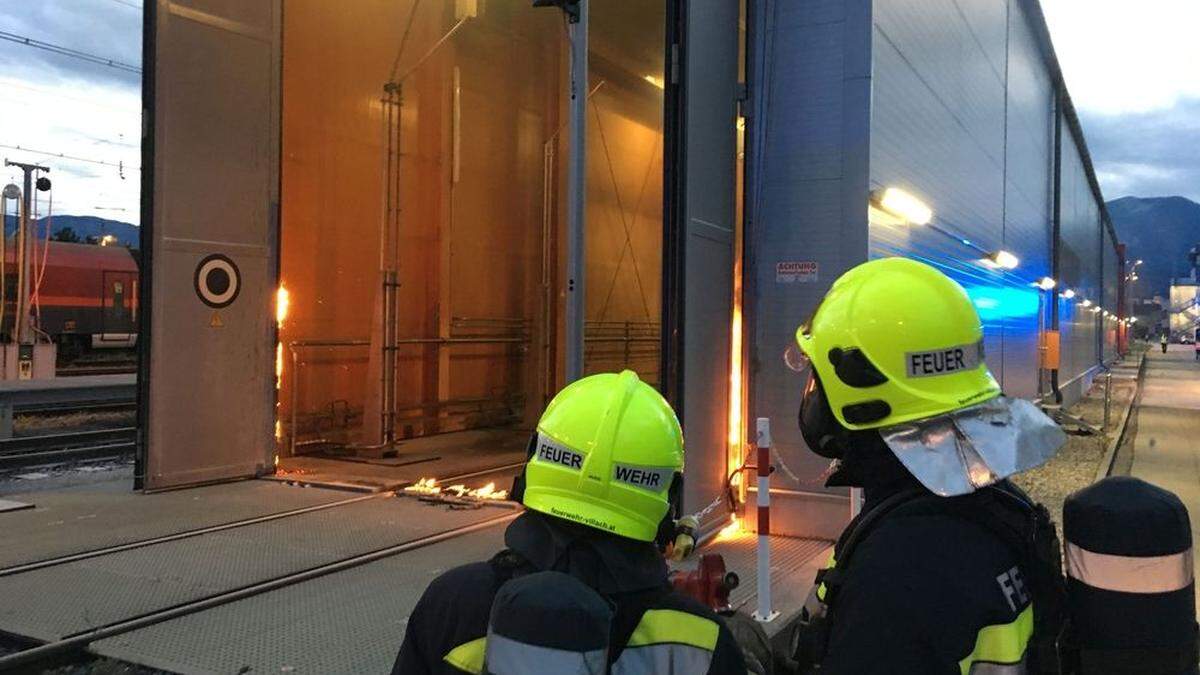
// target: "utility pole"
[[24, 258], [577, 20]]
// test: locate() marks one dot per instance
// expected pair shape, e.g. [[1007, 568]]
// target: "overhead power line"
[[66, 51], [116, 165], [126, 3]]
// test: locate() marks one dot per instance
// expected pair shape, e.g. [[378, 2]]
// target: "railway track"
[[32, 656], [97, 369], [30, 451]]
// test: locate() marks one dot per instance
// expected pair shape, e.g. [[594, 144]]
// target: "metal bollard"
[[764, 613], [1107, 398]]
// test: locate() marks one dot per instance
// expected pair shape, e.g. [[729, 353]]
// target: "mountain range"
[[1159, 231], [127, 234]]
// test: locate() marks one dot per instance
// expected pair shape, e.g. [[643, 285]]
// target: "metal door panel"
[[710, 85], [213, 103]]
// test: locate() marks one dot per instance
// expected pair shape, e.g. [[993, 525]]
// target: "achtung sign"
[[796, 271]]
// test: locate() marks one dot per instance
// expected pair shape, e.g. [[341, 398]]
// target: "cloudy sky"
[[1131, 68], [59, 104]]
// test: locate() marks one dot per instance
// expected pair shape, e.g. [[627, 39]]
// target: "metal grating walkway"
[[353, 621], [109, 513], [60, 601], [349, 622]]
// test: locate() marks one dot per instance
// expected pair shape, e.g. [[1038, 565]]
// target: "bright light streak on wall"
[[906, 206], [996, 304], [1002, 260], [655, 80]]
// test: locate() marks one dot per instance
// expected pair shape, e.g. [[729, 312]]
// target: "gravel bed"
[[1074, 467]]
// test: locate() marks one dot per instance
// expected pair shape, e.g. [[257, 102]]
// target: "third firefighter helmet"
[[607, 453], [894, 341]]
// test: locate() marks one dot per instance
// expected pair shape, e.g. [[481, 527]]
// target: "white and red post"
[[763, 442]]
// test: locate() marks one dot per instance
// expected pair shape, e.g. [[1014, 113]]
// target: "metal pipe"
[[576, 195], [4, 256], [1107, 398], [294, 397], [21, 317], [546, 372], [437, 45], [460, 341], [764, 613], [1055, 240]]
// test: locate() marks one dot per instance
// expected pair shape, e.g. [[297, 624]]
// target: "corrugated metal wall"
[[1111, 273], [808, 188], [1080, 271], [962, 116], [960, 104]]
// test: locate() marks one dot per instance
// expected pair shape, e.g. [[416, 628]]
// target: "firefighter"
[[940, 571], [605, 465]]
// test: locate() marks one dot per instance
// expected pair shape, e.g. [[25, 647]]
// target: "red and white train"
[[84, 296]]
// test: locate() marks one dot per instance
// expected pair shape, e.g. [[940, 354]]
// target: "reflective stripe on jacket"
[[667, 641]]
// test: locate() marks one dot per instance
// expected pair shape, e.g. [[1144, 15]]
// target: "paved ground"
[[1167, 447]]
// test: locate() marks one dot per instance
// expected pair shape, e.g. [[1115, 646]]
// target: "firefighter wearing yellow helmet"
[[942, 569], [604, 470]]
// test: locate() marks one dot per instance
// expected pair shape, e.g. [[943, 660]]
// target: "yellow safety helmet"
[[894, 341], [607, 453]]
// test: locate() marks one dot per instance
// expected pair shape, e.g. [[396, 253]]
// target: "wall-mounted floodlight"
[[1068, 294], [1133, 319], [1086, 302], [1046, 283], [903, 205], [1002, 259]]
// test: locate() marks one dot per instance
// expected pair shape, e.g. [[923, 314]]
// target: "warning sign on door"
[[795, 272]]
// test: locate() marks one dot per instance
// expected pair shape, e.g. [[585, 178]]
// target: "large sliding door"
[[701, 238], [210, 199]]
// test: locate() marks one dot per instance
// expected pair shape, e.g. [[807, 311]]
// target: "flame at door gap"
[[282, 303]]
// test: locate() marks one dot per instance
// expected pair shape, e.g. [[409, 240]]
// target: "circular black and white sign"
[[217, 281]]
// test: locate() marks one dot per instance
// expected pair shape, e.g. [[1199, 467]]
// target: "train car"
[[87, 297]]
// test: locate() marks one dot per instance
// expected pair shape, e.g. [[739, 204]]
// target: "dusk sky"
[[1130, 67]]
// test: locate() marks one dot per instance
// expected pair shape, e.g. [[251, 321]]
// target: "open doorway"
[[422, 220]]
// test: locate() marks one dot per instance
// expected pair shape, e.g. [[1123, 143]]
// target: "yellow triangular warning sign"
[[215, 321]]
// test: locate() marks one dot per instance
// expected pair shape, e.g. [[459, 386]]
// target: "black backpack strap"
[[629, 610], [1023, 525], [1027, 528], [810, 636], [858, 529]]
